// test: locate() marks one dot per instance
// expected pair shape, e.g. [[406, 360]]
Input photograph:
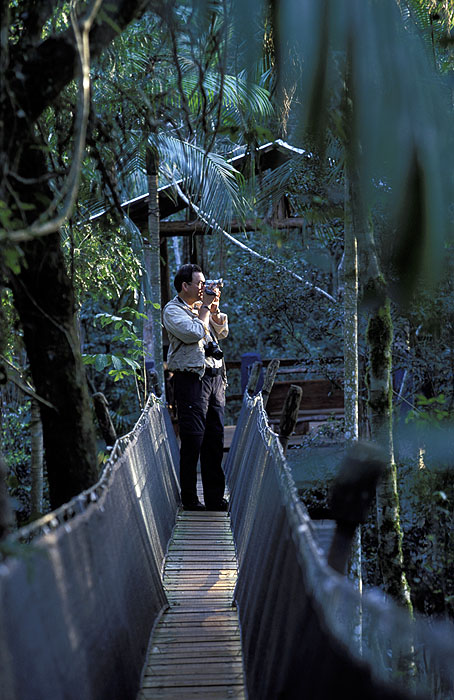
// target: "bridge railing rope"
[[306, 631], [78, 602]]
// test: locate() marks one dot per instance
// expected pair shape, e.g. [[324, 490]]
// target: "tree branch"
[[85, 35], [48, 68], [71, 187], [13, 374]]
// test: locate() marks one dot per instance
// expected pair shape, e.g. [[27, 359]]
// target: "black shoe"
[[194, 506], [220, 505]]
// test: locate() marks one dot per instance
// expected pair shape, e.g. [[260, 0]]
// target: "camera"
[[210, 286], [212, 349]]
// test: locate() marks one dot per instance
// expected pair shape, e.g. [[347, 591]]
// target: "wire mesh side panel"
[[77, 607], [299, 619]]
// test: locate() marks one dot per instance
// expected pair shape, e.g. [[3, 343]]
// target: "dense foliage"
[[190, 87]]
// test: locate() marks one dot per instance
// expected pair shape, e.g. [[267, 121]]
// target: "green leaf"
[[117, 361], [11, 257], [101, 362], [132, 363]]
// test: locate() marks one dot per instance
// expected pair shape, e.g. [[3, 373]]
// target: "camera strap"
[[208, 331]]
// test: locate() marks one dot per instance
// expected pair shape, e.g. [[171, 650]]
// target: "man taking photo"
[[194, 325]]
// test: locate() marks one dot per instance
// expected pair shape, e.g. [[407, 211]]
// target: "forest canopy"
[[105, 102]]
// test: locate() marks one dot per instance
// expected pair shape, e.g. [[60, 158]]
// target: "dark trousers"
[[200, 411]]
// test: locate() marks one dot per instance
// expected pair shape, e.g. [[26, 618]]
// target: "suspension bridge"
[[121, 595]]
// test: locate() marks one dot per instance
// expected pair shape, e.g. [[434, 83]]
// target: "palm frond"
[[207, 178], [241, 99]]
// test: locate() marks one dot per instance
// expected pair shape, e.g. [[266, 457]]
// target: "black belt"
[[209, 371], [212, 371]]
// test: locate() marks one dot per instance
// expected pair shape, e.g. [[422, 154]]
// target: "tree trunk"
[[351, 374], [379, 338], [37, 453], [351, 383], [152, 257], [44, 300], [42, 290]]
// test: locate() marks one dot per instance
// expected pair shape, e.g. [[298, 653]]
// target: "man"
[[194, 324]]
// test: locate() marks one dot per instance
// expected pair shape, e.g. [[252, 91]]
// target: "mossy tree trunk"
[[379, 337], [351, 373]]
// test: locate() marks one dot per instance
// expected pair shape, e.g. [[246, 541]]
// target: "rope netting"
[[306, 630], [78, 602]]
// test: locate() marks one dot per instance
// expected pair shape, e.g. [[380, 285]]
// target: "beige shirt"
[[188, 336]]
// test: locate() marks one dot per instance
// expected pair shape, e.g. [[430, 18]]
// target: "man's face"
[[194, 290]]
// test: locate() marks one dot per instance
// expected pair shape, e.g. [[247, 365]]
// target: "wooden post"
[[351, 496], [268, 382], [153, 382], [254, 378], [289, 415], [105, 422]]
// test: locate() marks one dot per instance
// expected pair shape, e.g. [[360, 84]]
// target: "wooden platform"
[[195, 650]]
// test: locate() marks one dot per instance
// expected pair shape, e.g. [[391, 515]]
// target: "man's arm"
[[218, 319], [185, 327]]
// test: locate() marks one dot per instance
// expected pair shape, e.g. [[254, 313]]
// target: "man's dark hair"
[[184, 274]]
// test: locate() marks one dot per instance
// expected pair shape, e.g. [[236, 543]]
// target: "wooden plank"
[[198, 585], [202, 617], [212, 667], [201, 555], [220, 603], [215, 624], [317, 393], [209, 647], [195, 650], [196, 580], [200, 609], [211, 693], [207, 515], [200, 572], [192, 655], [193, 682]]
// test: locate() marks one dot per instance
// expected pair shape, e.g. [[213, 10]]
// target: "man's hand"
[[214, 306], [212, 300]]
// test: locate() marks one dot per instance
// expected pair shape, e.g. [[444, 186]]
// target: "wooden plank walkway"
[[195, 650]]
